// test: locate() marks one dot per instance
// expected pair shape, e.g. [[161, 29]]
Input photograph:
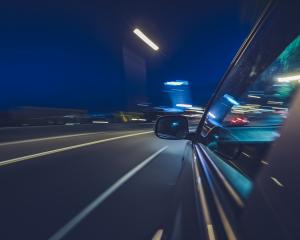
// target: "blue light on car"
[[175, 124], [231, 99], [211, 115]]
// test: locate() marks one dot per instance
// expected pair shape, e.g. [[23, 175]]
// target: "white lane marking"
[[48, 138], [277, 182], [27, 157], [158, 235], [102, 197], [264, 162], [211, 233], [245, 154]]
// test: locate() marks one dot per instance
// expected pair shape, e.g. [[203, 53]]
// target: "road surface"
[[109, 184]]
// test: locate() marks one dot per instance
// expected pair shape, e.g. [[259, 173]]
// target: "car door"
[[246, 151]]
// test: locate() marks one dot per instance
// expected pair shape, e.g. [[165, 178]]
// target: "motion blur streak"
[[102, 197], [19, 159], [289, 79], [47, 138]]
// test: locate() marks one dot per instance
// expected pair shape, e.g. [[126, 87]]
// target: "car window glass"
[[242, 124]]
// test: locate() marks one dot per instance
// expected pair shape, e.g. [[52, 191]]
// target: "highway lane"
[[9, 151], [30, 132], [41, 195]]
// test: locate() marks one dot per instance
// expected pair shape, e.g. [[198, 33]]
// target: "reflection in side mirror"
[[172, 127]]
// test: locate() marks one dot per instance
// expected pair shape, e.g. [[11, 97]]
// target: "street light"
[[147, 40]]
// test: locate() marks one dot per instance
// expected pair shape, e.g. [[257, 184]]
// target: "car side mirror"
[[172, 127]]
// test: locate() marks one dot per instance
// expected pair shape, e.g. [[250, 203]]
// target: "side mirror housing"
[[172, 127]]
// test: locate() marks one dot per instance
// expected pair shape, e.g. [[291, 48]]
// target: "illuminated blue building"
[[179, 93]]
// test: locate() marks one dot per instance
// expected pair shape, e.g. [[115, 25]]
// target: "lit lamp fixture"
[[147, 40]]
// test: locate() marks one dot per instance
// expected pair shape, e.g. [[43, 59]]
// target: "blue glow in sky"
[[69, 53]]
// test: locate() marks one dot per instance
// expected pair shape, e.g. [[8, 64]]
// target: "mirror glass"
[[172, 127]]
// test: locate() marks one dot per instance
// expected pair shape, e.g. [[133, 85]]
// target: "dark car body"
[[242, 181]]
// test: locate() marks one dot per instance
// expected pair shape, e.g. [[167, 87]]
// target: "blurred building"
[[21, 116], [135, 79], [179, 93]]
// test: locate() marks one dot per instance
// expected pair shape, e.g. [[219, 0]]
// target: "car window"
[[245, 118]]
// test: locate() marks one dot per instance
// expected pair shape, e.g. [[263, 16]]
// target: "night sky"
[[69, 53]]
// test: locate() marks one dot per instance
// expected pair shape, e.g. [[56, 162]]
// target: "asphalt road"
[[108, 184]]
